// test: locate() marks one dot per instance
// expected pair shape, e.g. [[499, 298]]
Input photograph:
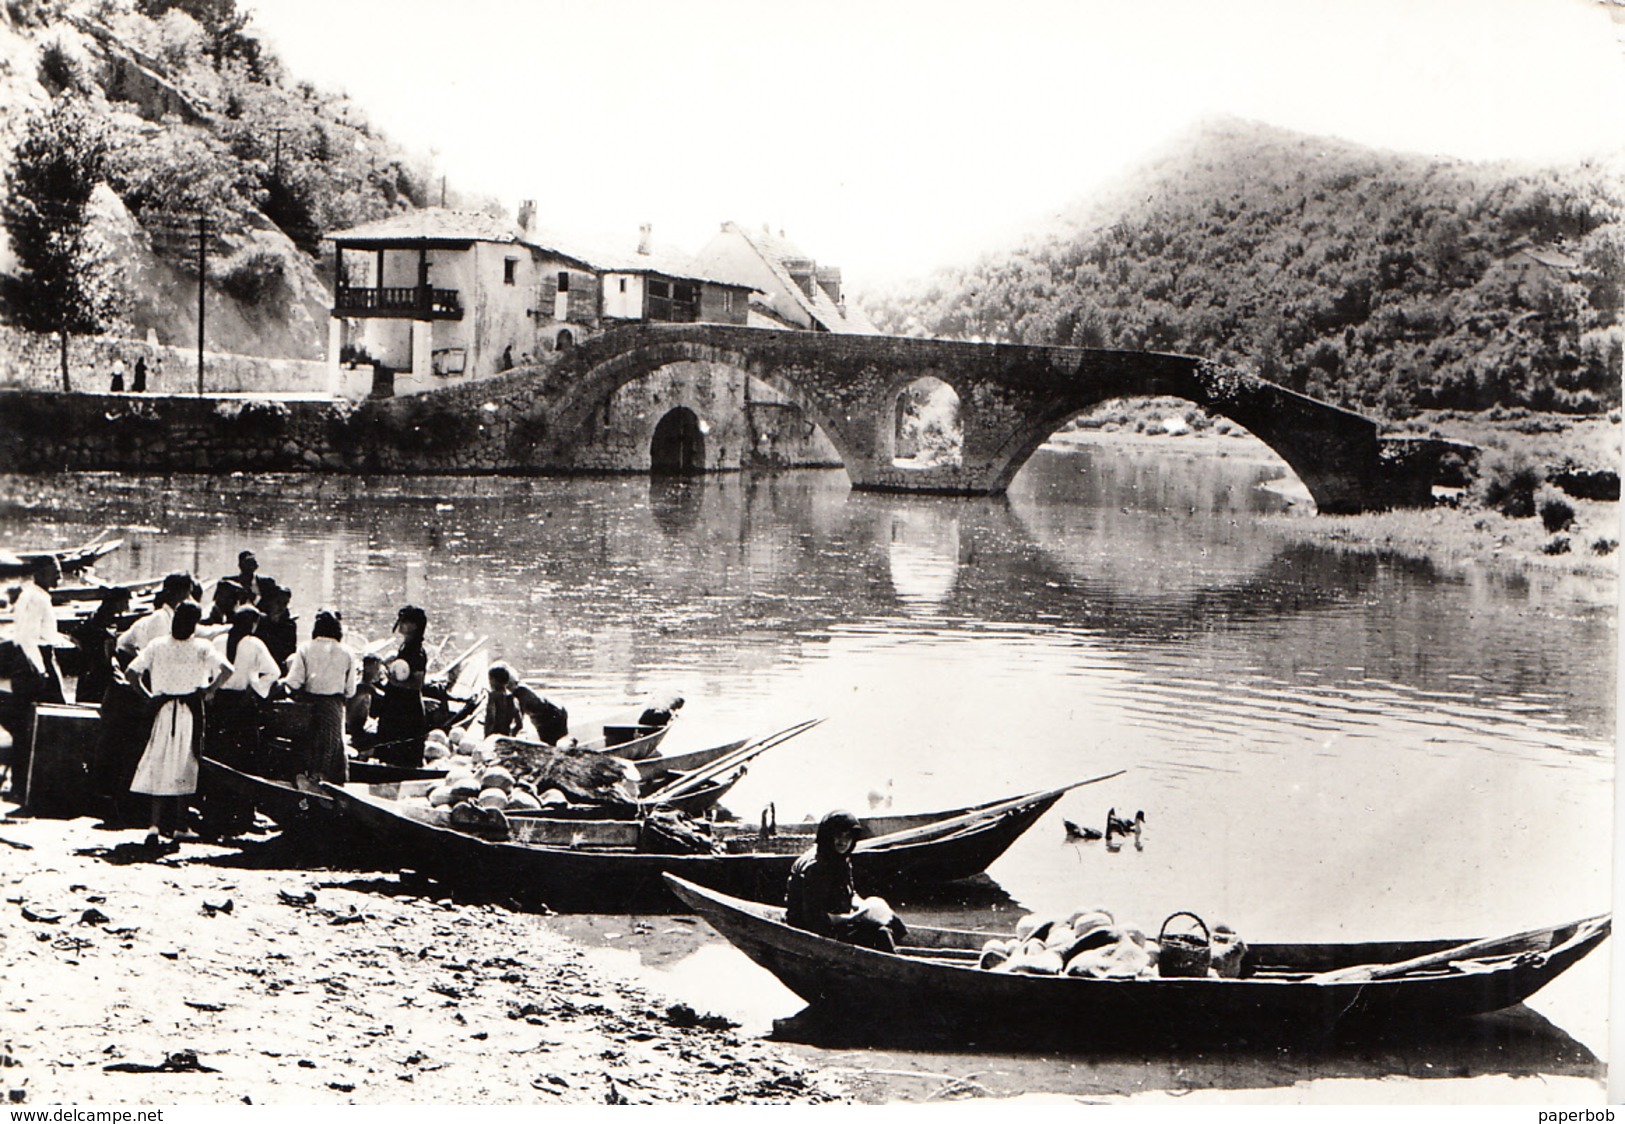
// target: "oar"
[[910, 835], [690, 781], [697, 777], [1500, 946], [456, 665]]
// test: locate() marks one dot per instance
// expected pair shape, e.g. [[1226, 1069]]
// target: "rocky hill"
[[1385, 282], [199, 119]]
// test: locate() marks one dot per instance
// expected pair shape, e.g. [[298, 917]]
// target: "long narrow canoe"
[[303, 809], [934, 984], [71, 559], [602, 882]]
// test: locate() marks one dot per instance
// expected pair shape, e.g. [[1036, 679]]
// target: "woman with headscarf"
[[323, 673], [182, 670], [402, 723], [820, 896], [232, 734]]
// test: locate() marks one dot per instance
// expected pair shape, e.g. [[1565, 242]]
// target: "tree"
[[66, 285]]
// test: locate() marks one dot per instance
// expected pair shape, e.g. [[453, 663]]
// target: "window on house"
[[727, 300], [623, 284], [510, 270], [564, 280]]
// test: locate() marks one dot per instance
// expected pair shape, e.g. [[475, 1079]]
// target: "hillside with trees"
[[123, 123], [1387, 283]]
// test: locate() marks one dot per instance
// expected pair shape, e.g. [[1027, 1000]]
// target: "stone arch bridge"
[[1011, 400]]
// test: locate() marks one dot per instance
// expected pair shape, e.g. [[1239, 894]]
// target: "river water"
[[1326, 745]]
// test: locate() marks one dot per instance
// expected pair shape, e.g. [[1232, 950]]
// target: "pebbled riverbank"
[[193, 978]]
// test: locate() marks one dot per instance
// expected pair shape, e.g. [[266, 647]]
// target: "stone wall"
[[33, 361]]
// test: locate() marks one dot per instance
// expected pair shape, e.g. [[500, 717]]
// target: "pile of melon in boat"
[[1090, 943], [477, 795]]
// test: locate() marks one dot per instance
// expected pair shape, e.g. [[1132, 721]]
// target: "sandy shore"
[[278, 986]]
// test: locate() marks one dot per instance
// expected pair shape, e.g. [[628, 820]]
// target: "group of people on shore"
[[182, 682]]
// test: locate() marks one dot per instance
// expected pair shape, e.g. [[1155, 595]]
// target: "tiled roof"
[[603, 255], [775, 250], [433, 223]]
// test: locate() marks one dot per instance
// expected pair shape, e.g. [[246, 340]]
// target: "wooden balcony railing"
[[419, 302]]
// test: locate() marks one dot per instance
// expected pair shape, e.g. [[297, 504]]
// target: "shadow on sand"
[[1517, 1042]]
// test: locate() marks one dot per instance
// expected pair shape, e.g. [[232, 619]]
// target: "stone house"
[[435, 295]]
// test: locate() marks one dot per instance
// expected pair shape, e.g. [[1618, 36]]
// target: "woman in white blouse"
[[234, 720], [323, 672], [181, 671]]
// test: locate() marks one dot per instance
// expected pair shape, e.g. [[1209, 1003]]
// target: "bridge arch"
[[1184, 404], [588, 391], [1012, 398], [677, 447], [926, 422]]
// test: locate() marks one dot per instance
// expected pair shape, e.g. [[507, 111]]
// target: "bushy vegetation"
[[255, 276], [1556, 512], [68, 284], [1382, 282], [1507, 482], [304, 157]]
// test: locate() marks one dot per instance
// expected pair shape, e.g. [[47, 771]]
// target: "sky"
[[891, 137]]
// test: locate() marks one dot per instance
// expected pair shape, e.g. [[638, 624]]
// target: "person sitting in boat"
[[359, 710], [323, 671], [182, 670], [660, 712], [402, 721], [510, 703], [821, 898], [247, 579]]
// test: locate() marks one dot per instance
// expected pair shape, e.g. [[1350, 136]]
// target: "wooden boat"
[[934, 982], [302, 808], [71, 560], [594, 880], [90, 595]]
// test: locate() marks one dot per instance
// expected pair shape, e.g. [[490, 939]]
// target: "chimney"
[[802, 271], [829, 280], [527, 215], [644, 233]]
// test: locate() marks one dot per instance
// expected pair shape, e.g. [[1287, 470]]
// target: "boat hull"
[[960, 1001], [601, 882]]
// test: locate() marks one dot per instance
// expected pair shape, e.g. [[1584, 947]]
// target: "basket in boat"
[[1184, 954]]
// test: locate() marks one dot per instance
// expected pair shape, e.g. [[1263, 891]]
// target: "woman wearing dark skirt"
[[232, 730], [322, 672], [401, 720]]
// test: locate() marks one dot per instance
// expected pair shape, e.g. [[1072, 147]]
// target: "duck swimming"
[[1075, 833], [1115, 825]]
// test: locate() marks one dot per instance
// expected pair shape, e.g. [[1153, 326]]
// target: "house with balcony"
[[432, 295]]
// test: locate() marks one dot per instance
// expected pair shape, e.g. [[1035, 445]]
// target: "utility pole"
[[202, 260], [276, 163], [442, 190]]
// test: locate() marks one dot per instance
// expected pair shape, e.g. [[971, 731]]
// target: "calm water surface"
[[1325, 745]]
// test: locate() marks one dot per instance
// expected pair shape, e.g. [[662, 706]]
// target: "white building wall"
[[623, 303]]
